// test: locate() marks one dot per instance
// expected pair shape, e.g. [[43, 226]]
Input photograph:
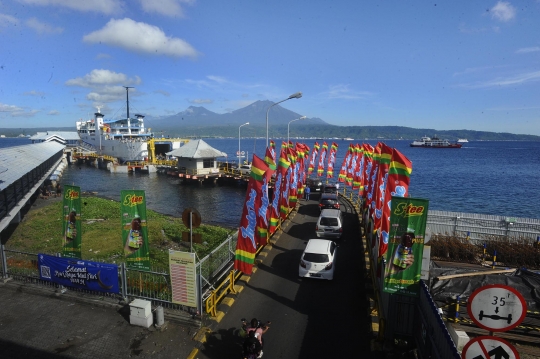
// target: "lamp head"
[[302, 118], [296, 95]]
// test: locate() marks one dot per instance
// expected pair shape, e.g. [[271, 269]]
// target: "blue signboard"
[[72, 272]]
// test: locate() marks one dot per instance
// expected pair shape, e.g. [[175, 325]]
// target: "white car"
[[245, 169], [318, 260]]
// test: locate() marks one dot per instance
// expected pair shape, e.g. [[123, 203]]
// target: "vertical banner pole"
[[191, 230]]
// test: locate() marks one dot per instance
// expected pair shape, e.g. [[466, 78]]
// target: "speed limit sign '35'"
[[497, 307]]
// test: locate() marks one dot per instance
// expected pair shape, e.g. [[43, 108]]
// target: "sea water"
[[487, 177]]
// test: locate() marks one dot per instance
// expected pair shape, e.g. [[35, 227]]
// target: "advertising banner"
[[320, 167], [134, 229], [281, 173], [313, 157], [331, 160], [70, 272], [408, 219], [71, 224]]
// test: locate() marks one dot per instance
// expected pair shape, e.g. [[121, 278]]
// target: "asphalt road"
[[310, 318]]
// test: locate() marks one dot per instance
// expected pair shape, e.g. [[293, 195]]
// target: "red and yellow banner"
[[313, 157], [249, 233], [320, 167], [346, 161], [281, 175], [331, 160]]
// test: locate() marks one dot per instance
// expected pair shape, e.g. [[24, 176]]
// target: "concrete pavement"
[[43, 323]]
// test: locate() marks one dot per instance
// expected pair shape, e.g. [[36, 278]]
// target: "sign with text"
[[183, 278], [497, 307], [488, 347], [80, 274]]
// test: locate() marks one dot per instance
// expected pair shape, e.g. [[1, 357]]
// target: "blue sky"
[[454, 65]]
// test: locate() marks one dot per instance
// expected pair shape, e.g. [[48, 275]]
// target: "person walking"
[[306, 193]]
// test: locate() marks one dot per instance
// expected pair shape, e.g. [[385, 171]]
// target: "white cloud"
[[109, 94], [508, 81], [43, 28], [102, 56], [166, 7], [107, 7], [218, 79], [503, 11], [527, 50], [16, 111], [103, 77], [199, 101], [342, 91], [53, 113], [163, 92], [140, 37], [6, 20], [34, 93]]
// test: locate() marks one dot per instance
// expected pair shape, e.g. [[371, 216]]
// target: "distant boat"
[[462, 140], [434, 143], [348, 139]]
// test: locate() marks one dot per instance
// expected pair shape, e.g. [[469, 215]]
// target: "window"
[[208, 163]]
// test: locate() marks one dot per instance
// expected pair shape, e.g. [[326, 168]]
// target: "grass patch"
[[41, 232]]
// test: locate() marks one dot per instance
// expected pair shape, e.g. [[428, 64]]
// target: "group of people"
[[48, 191], [253, 345]]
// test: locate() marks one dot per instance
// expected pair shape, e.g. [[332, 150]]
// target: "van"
[[329, 224]]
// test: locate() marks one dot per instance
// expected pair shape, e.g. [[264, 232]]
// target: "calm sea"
[[489, 177]]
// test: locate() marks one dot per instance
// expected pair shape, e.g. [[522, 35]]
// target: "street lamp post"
[[301, 118], [239, 153], [294, 95]]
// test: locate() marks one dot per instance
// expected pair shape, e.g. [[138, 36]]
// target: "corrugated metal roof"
[[16, 161], [66, 135], [197, 149]]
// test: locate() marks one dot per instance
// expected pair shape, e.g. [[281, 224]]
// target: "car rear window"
[[316, 257], [328, 201], [328, 221]]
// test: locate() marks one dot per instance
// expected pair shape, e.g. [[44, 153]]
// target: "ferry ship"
[[124, 139], [434, 142]]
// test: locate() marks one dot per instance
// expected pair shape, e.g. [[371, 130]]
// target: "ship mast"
[[127, 103]]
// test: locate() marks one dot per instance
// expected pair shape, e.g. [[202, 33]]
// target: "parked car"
[[330, 188], [315, 185], [244, 169], [318, 260], [329, 200], [329, 224]]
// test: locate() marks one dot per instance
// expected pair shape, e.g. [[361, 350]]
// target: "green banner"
[[408, 219], [134, 229], [71, 224]]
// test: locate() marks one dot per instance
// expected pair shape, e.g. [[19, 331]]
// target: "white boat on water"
[[462, 140], [124, 139], [434, 142]]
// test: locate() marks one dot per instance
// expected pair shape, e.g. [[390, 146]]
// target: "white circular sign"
[[497, 307], [487, 347]]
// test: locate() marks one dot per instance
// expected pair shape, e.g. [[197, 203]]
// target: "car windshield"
[[326, 221], [327, 202], [316, 257]]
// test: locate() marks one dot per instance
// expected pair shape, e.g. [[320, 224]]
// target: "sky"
[[450, 65]]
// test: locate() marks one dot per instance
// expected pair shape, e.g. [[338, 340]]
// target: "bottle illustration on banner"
[[404, 251], [135, 238], [71, 225]]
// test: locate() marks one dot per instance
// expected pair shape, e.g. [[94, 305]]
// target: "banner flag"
[[320, 168], [382, 178], [314, 154], [293, 189], [331, 160], [352, 165], [367, 165], [281, 173], [71, 224], [408, 219], [134, 229], [76, 273], [346, 161], [370, 196], [399, 173], [246, 245], [301, 152], [357, 173], [285, 188], [260, 172], [270, 157]]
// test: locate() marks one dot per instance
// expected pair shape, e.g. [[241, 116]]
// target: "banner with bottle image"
[[134, 229], [408, 219], [71, 223]]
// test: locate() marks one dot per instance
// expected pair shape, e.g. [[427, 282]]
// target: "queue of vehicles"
[[319, 256]]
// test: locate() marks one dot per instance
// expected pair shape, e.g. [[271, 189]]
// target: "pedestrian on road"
[[306, 192]]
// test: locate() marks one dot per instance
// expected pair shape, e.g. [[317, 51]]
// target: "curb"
[[227, 302]]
